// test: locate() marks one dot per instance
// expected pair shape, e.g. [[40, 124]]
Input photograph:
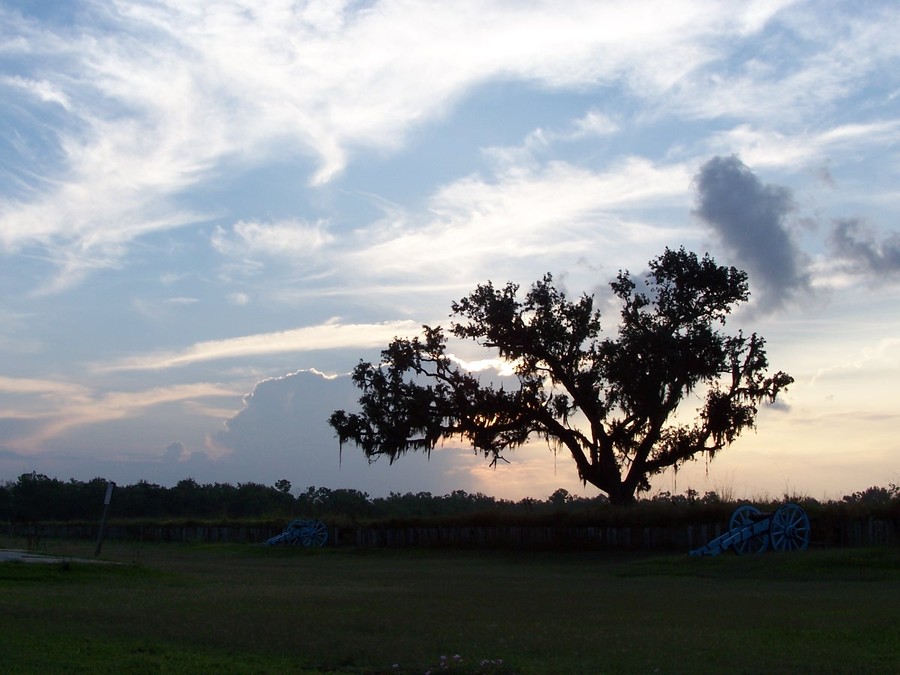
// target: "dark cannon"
[[752, 531], [302, 533]]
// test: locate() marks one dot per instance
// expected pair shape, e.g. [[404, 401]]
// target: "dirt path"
[[8, 554]]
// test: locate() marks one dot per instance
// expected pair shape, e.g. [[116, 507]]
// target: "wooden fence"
[[869, 531], [857, 532]]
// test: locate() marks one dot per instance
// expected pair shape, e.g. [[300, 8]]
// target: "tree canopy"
[[613, 402]]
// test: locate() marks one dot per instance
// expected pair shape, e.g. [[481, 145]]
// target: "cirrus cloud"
[[325, 336], [160, 96]]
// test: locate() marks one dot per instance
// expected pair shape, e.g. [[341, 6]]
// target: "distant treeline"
[[35, 498]]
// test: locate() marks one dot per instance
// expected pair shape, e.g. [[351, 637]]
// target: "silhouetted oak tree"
[[610, 401]]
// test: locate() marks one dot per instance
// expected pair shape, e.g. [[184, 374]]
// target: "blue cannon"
[[301, 533], [752, 531]]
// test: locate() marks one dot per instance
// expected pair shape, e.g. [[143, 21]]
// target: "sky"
[[211, 212]]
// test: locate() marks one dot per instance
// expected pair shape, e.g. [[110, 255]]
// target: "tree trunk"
[[621, 495]]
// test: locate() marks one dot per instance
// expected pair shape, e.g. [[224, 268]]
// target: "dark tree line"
[[36, 498]]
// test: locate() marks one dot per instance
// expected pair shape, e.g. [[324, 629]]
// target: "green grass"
[[251, 609]]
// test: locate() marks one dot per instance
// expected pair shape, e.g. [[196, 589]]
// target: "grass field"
[[251, 609]]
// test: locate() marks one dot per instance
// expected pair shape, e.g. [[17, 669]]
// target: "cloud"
[[10, 455], [857, 247], [502, 367], [593, 124], [875, 364], [282, 431], [151, 99], [325, 336], [42, 90], [44, 410], [771, 148], [25, 385], [549, 212], [275, 418], [807, 63], [284, 238], [749, 219], [174, 452], [181, 300]]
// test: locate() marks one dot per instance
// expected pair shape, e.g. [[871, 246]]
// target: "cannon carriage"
[[752, 531], [301, 533]]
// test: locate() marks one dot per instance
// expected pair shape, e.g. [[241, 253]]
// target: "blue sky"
[[209, 212]]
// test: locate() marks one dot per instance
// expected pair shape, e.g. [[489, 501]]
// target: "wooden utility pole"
[[109, 490]]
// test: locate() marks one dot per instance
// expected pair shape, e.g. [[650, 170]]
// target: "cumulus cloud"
[[174, 452], [276, 416], [858, 248], [749, 217], [282, 431]]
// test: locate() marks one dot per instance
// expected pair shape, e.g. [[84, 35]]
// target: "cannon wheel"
[[315, 533], [743, 515], [294, 532], [789, 529]]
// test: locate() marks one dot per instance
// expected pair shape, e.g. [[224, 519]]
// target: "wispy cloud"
[[326, 336], [42, 90], [524, 212], [65, 406], [770, 148], [808, 62], [284, 238], [531, 151], [24, 385], [878, 358], [159, 96]]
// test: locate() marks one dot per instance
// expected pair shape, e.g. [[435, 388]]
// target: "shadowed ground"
[[225, 608]]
